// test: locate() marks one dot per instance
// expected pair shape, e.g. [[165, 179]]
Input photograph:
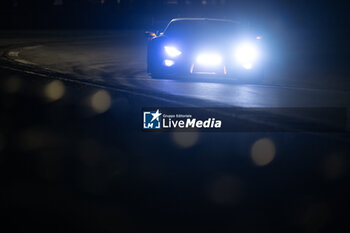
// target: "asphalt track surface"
[[118, 60]]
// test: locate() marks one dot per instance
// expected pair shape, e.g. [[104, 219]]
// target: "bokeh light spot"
[[38, 137], [185, 139], [54, 90], [90, 152], [334, 166], [13, 85], [101, 101], [263, 152], [226, 190]]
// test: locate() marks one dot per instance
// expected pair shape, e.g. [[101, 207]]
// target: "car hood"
[[200, 43]]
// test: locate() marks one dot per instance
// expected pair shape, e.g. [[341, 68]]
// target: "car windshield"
[[199, 27]]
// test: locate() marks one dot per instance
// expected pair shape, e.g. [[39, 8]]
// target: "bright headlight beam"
[[172, 51], [209, 59], [246, 55]]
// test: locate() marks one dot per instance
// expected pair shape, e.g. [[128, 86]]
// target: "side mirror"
[[150, 35]]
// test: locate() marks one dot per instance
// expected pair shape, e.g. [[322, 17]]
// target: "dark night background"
[[111, 14]]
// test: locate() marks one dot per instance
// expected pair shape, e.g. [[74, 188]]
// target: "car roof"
[[204, 19]]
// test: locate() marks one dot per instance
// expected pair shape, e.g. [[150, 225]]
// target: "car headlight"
[[246, 54], [168, 62], [172, 51], [209, 59]]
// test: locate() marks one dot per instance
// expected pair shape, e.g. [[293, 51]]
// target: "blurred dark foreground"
[[73, 158]]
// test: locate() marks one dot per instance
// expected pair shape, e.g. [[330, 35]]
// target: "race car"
[[202, 47]]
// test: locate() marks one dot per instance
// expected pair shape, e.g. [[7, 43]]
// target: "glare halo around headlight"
[[172, 51], [209, 59], [246, 54]]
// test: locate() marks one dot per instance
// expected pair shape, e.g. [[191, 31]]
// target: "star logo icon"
[[151, 119], [156, 115]]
